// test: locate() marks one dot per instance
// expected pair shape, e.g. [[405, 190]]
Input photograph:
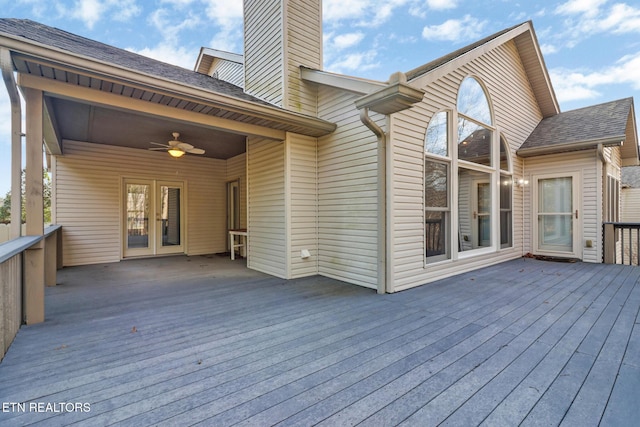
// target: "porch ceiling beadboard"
[[88, 183]]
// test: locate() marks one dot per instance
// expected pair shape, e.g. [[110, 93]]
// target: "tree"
[[5, 207]]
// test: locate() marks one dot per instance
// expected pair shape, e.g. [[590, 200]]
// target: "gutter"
[[81, 64], [6, 65], [395, 97]]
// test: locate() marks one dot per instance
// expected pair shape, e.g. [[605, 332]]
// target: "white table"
[[242, 233]]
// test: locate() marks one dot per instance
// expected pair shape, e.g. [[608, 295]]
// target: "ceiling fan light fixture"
[[176, 152]]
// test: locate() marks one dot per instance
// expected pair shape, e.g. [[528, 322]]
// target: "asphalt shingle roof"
[[597, 122], [72, 43]]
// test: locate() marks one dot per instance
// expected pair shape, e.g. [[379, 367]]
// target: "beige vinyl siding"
[[263, 53], [586, 163], [237, 170], [88, 182], [266, 206], [347, 193], [515, 115], [304, 47], [229, 71], [302, 205], [630, 208]]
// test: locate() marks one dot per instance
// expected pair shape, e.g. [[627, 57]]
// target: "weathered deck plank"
[[525, 341]]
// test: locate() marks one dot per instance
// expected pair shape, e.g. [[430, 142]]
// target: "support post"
[[34, 262], [609, 243], [6, 66]]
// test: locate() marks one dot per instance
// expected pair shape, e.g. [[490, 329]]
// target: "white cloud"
[[588, 18], [170, 54], [360, 61], [335, 10], [442, 4], [344, 41], [467, 28], [589, 8], [572, 85], [88, 11], [363, 13], [548, 49]]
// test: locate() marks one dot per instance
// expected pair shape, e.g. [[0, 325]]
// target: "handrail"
[[621, 240], [15, 246], [12, 247]]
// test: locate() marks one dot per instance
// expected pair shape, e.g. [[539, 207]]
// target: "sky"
[[591, 47]]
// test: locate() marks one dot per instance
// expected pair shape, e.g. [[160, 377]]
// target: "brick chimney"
[[279, 37]]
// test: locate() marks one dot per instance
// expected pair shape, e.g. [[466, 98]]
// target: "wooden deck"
[[200, 340]]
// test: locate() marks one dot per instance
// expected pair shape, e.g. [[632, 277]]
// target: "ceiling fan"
[[177, 148]]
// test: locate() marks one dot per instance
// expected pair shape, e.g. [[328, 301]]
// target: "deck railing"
[[621, 243], [12, 278]]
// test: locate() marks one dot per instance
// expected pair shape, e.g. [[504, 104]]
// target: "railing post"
[[609, 243]]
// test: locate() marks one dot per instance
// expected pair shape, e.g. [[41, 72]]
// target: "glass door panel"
[[555, 214], [170, 215], [138, 203], [169, 218]]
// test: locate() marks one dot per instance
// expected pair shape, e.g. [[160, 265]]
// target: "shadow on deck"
[[181, 341]]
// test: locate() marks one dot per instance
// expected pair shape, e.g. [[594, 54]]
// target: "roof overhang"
[[393, 98], [339, 81], [57, 71], [208, 57], [615, 141]]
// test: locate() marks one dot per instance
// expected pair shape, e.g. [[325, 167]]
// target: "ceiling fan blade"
[[157, 143], [157, 149], [195, 151], [184, 146]]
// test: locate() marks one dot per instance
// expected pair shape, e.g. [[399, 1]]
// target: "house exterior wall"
[[516, 114], [302, 204], [280, 36], [266, 214], [229, 71], [88, 187], [347, 192], [263, 50], [587, 165]]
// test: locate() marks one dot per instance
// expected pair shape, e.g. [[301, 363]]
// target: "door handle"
[[576, 213], [475, 215]]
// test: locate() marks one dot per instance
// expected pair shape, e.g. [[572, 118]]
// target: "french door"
[[153, 217], [556, 228]]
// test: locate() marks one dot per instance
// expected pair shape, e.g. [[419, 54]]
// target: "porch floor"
[[203, 340]]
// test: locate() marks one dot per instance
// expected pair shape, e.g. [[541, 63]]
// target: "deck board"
[[204, 341]]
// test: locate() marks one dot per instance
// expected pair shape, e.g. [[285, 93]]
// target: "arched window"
[[467, 177]]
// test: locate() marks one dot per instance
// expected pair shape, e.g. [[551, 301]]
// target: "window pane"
[[474, 209], [436, 141], [504, 152], [138, 200], [555, 195], [436, 178], [436, 232], [472, 101], [475, 142], [506, 221]]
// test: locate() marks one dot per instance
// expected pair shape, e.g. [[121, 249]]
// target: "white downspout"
[[382, 198], [6, 66]]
